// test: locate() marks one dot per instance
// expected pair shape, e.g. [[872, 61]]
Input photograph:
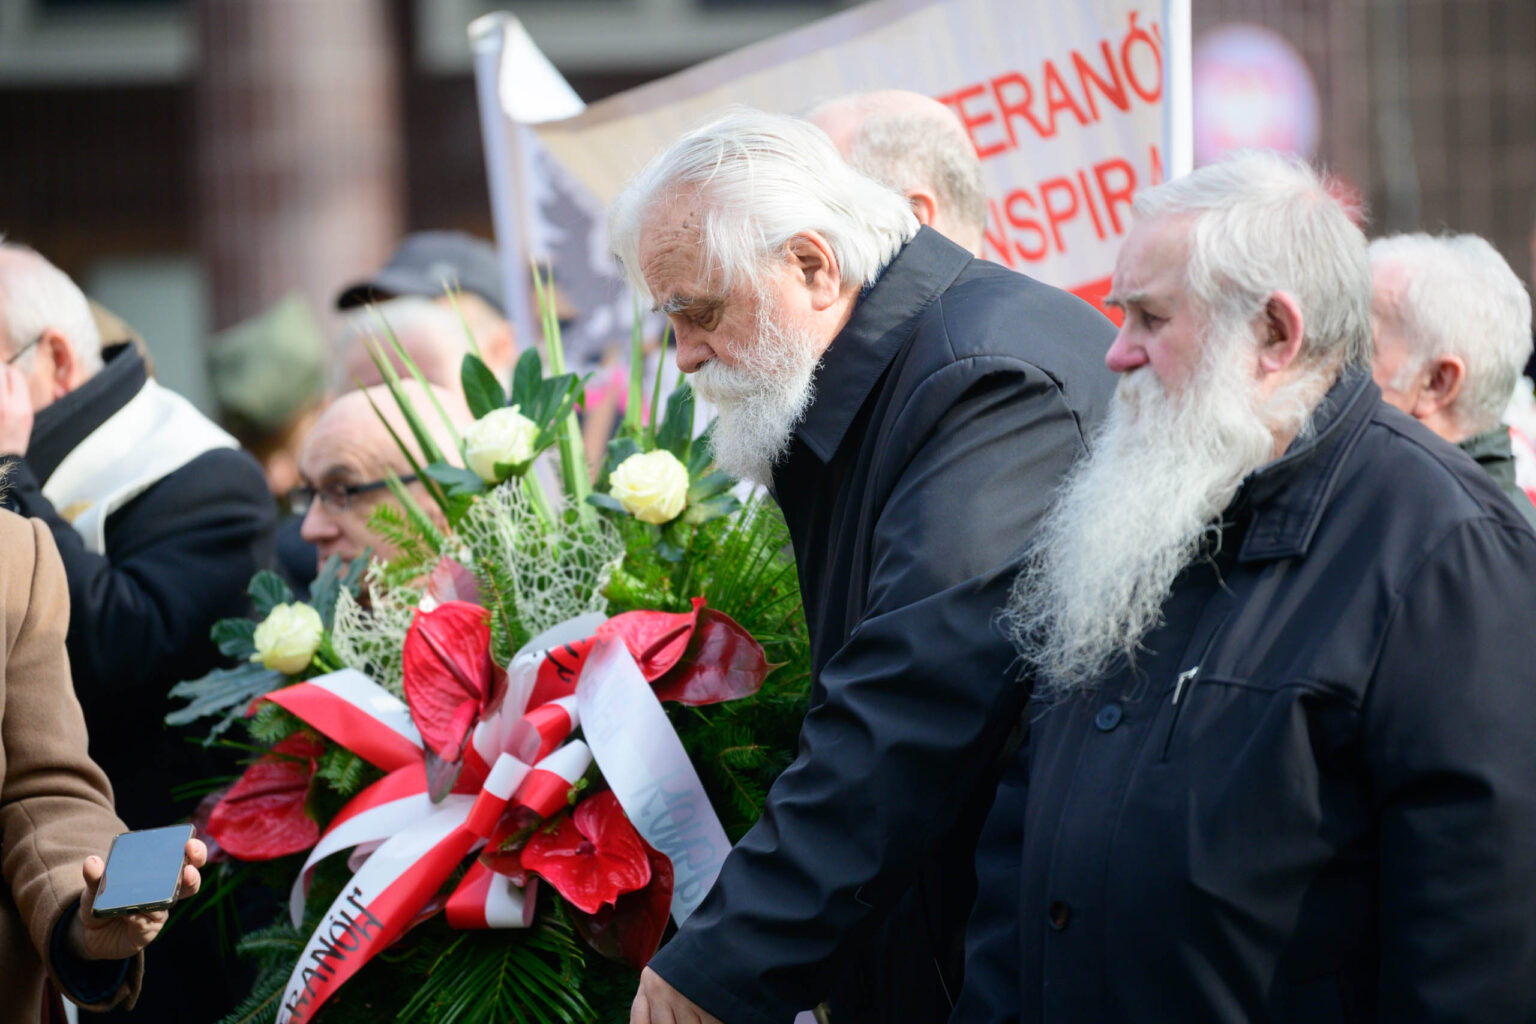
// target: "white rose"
[[288, 638], [652, 486], [503, 437]]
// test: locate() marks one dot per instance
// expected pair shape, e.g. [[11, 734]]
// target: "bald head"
[[918, 147], [350, 447]]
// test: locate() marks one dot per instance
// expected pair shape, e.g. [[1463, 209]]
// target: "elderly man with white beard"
[[1280, 764], [912, 408]]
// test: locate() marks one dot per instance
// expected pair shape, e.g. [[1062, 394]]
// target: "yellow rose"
[[502, 437], [288, 638], [652, 486]]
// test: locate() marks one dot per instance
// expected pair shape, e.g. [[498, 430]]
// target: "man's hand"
[[15, 411], [117, 938], [660, 1003]]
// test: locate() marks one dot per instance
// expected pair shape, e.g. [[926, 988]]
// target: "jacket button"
[[1108, 717], [1058, 914]]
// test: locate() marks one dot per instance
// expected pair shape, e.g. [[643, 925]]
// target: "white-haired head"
[[433, 336], [759, 180], [36, 296], [1454, 296], [1266, 223], [916, 145]]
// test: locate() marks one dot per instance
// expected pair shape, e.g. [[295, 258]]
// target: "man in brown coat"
[[56, 815]]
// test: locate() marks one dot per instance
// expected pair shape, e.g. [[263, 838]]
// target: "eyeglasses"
[[28, 347], [336, 497]]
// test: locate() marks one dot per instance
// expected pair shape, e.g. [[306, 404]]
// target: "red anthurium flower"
[[592, 856], [698, 657], [722, 663], [503, 851], [262, 816], [656, 640], [449, 678], [631, 929]]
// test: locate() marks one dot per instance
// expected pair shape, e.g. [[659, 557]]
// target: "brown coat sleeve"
[[55, 803]]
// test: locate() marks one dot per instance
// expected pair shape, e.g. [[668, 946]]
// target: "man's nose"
[[1125, 355], [317, 524], [692, 352]]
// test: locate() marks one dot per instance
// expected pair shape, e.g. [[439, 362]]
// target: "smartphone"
[[143, 871]]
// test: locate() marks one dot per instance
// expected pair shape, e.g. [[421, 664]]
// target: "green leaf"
[[677, 427], [526, 377], [482, 391], [224, 691], [605, 501], [457, 479], [709, 509], [267, 591], [332, 580], [710, 484], [234, 638], [619, 449], [635, 406], [661, 367]]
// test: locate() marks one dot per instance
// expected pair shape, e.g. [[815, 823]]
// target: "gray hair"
[[1266, 223], [35, 295], [418, 323], [1461, 298], [909, 145], [762, 179]]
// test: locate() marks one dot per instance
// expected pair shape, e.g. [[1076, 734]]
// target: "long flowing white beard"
[[762, 397], [1133, 514]]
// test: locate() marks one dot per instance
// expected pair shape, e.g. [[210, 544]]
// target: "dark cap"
[[429, 262]]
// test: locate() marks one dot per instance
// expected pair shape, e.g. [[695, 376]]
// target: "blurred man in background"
[[346, 461], [429, 264], [917, 146], [161, 522], [1452, 324]]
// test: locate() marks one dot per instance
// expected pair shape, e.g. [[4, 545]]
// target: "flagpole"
[[1179, 105], [503, 173]]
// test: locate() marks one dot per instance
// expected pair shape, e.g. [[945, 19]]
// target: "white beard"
[[762, 397], [1139, 509]]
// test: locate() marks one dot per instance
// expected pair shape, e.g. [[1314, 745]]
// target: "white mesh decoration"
[[372, 640], [556, 574]]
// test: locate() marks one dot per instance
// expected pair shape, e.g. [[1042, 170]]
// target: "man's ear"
[[1446, 374], [925, 206], [817, 266], [1281, 326], [66, 363]]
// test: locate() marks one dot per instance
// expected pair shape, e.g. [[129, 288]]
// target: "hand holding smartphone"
[[143, 871], [127, 900]]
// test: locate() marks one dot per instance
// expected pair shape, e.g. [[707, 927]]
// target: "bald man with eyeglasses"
[[347, 458]]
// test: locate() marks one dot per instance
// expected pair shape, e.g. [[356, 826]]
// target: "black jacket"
[[1336, 820], [179, 557], [946, 411], [1491, 450]]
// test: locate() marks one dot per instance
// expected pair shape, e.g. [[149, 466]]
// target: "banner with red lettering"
[[1071, 106]]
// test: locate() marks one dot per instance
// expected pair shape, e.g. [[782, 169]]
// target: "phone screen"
[[143, 870]]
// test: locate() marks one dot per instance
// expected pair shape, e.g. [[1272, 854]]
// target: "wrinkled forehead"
[[672, 252], [349, 441], [1154, 259]]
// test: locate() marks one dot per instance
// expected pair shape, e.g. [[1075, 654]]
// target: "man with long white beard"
[[912, 408], [1280, 764]]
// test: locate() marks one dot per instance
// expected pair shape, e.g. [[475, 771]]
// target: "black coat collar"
[[880, 325], [58, 429], [1286, 499]]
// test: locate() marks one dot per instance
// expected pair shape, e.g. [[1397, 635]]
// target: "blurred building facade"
[[133, 129]]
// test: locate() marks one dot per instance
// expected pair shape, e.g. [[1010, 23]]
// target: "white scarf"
[[156, 433]]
